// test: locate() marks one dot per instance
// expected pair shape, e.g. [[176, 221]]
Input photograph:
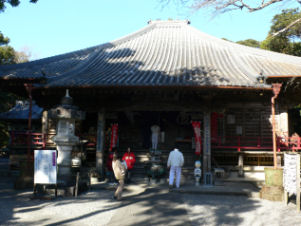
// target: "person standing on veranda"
[[155, 136], [175, 162]]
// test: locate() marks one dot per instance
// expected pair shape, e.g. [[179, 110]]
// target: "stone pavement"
[[144, 204]]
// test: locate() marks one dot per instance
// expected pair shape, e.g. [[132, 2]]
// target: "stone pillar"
[[207, 146], [100, 143], [240, 165]]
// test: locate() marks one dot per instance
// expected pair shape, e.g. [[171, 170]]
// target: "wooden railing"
[[238, 143], [21, 138], [249, 143]]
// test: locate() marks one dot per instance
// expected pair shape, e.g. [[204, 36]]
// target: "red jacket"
[[130, 159]]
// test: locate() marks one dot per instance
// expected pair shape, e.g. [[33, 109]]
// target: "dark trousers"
[[128, 176]]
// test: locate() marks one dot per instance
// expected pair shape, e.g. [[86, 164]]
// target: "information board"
[[45, 167], [291, 173]]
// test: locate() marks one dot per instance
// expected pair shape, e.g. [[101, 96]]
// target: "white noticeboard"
[[291, 173], [45, 167]]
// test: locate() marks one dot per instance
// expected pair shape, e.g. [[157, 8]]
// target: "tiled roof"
[[164, 53], [21, 111]]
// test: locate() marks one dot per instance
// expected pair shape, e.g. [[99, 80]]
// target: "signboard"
[[45, 167], [207, 133], [291, 173], [114, 136], [197, 133]]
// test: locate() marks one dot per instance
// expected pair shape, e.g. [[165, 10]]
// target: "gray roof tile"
[[164, 53]]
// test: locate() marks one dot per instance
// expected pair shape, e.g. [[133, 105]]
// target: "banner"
[[197, 133], [114, 136]]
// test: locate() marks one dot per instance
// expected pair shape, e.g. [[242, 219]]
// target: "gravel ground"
[[239, 210], [142, 205]]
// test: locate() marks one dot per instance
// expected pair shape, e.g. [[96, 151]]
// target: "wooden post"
[[29, 91], [100, 143], [276, 90], [285, 198], [278, 161], [207, 145]]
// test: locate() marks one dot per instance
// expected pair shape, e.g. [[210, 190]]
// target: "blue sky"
[[52, 27]]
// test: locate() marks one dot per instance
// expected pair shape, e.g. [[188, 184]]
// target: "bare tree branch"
[[239, 4], [223, 6], [287, 27]]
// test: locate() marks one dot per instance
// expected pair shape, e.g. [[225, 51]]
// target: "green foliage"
[[7, 55], [288, 41], [13, 3], [3, 40], [281, 21], [249, 42]]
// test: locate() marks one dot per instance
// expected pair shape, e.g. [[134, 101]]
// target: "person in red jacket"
[[129, 158]]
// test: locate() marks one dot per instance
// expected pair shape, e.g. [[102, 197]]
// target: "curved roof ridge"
[[164, 22]]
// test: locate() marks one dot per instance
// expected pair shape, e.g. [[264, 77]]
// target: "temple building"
[[167, 74]]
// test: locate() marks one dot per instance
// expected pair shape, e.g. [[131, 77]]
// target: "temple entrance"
[[134, 130]]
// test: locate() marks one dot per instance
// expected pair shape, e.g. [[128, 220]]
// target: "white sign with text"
[[45, 167]]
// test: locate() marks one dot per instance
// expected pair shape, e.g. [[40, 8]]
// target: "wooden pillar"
[[100, 143], [29, 132], [207, 145], [276, 90]]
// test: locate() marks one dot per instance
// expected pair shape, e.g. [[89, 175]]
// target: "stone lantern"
[[65, 114]]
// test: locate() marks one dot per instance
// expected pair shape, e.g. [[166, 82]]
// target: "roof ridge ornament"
[[67, 93], [67, 99], [159, 21], [261, 78]]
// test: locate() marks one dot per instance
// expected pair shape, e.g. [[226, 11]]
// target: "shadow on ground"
[[152, 206]]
